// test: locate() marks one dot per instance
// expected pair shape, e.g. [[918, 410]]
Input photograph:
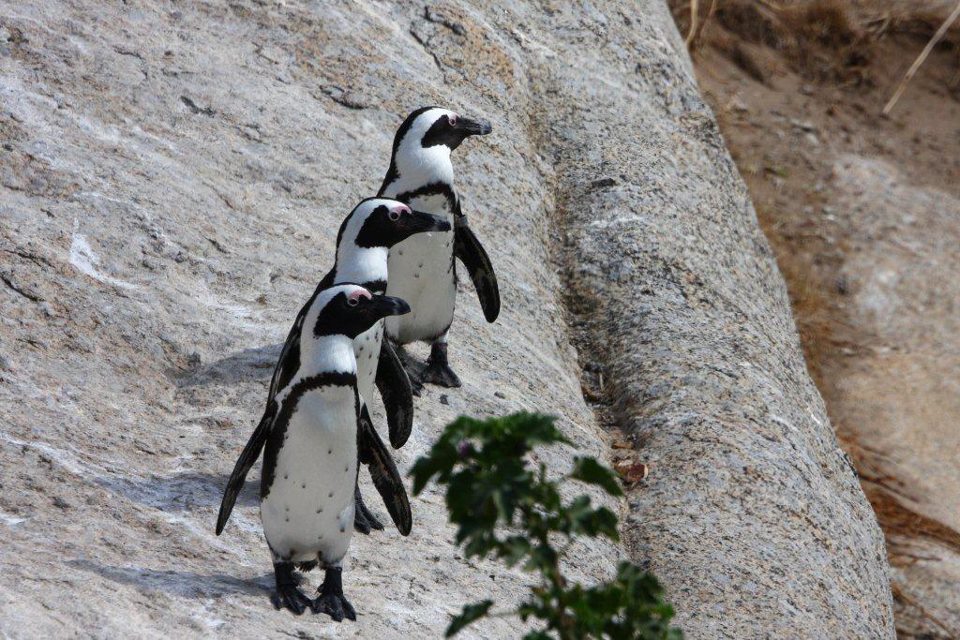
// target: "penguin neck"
[[326, 354], [362, 265], [419, 165]]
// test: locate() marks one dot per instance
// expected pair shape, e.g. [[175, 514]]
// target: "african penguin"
[[422, 268], [310, 460], [363, 246], [365, 236]]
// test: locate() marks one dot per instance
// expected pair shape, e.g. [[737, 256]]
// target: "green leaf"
[[514, 549], [590, 471], [491, 489], [470, 614]]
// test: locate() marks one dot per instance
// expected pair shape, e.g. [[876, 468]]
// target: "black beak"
[[420, 222], [469, 127], [383, 306]]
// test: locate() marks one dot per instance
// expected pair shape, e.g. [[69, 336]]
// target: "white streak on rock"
[[10, 520], [84, 260]]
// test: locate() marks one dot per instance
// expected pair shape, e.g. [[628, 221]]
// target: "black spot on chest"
[[278, 433]]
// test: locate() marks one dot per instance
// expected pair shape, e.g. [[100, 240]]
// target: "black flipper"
[[246, 460], [383, 471], [475, 259], [397, 393]]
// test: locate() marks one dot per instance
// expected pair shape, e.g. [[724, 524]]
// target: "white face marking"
[[399, 210], [363, 264], [418, 165]]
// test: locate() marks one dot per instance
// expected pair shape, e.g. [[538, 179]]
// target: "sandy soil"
[[863, 213]]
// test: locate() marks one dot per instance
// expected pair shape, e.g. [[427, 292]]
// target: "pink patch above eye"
[[401, 209], [361, 293]]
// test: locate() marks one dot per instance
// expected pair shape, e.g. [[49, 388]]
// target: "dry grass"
[[823, 39], [830, 41], [937, 37]]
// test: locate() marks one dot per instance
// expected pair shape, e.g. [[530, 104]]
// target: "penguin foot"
[[291, 598], [331, 600], [360, 524], [335, 606], [438, 370], [363, 519], [288, 593], [441, 375]]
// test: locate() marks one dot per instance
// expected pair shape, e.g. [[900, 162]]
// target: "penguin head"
[[435, 126], [349, 310], [381, 222], [432, 131]]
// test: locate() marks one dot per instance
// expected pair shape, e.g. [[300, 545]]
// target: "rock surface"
[[171, 180], [751, 505]]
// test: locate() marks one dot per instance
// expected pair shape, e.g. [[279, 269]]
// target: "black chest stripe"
[[375, 286], [431, 189], [279, 431]]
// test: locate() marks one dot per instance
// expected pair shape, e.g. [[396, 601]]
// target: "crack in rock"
[[16, 288], [206, 111]]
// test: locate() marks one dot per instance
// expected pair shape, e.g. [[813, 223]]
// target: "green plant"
[[491, 489]]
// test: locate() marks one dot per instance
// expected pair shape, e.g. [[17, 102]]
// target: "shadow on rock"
[[250, 364], [186, 584], [185, 491]]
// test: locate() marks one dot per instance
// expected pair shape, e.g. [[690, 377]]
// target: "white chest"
[[308, 511], [422, 273]]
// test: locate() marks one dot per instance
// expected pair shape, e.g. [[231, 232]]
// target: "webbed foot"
[[363, 519], [331, 600], [288, 593], [416, 381], [438, 370]]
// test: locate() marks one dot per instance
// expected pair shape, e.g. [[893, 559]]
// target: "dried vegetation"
[[845, 45]]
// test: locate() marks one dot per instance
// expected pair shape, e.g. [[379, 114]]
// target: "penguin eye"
[[452, 120], [394, 215], [353, 301]]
